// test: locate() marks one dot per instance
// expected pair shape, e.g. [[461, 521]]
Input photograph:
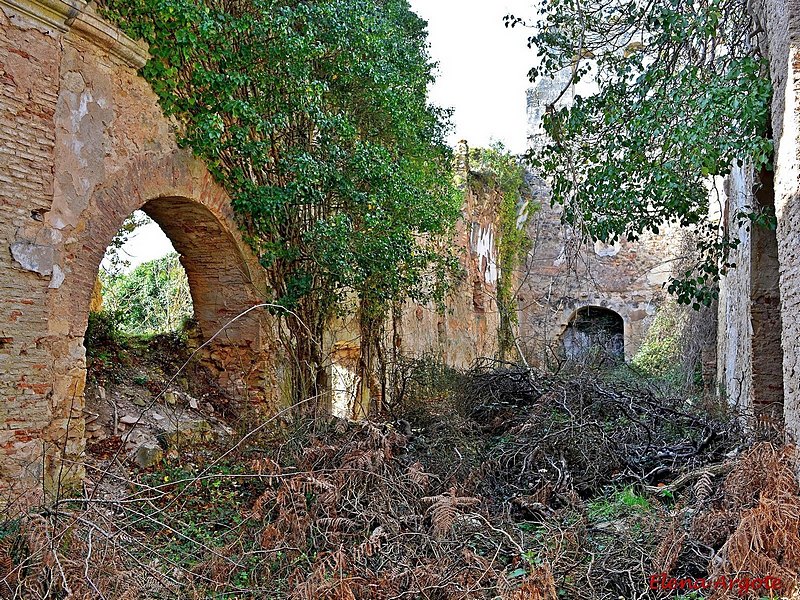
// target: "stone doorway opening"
[[594, 331]]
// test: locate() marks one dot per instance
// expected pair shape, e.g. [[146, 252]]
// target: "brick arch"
[[85, 143], [225, 279], [179, 194]]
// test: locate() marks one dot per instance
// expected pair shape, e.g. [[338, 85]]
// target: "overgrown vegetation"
[[153, 298], [314, 116], [678, 94], [497, 483]]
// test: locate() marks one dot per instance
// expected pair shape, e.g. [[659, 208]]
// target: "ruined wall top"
[[77, 18]]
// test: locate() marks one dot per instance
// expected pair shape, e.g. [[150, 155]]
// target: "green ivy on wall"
[[501, 171]]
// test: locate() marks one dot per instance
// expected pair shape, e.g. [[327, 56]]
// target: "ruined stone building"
[[758, 316], [568, 289], [759, 307], [83, 143]]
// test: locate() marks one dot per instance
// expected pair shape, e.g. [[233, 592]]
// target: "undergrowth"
[[498, 483]]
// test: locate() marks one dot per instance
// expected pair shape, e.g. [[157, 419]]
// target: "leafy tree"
[[114, 260], [153, 298], [681, 95], [314, 116]]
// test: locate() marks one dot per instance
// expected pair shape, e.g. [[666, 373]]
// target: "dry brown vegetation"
[[501, 483]]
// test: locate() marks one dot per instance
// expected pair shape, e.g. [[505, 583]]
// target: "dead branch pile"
[[511, 486], [585, 435]]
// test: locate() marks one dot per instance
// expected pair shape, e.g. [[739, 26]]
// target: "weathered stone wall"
[[766, 313], [86, 145], [562, 275], [761, 297], [735, 330], [467, 329], [782, 24]]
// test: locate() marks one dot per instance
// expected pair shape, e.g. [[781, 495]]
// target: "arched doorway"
[[225, 280], [594, 329]]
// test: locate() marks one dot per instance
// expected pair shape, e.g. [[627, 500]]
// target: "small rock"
[[139, 402], [157, 416], [189, 431], [192, 403], [169, 398], [148, 454], [101, 391], [129, 419]]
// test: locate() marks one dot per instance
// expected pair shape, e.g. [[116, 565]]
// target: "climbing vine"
[[504, 173], [669, 95], [314, 116]]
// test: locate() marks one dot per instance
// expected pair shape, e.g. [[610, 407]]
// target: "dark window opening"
[[595, 330]]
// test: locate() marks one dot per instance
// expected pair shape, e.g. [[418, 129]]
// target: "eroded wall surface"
[[84, 144], [562, 275], [780, 19], [735, 329], [467, 329]]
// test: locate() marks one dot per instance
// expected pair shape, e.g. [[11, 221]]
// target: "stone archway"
[[85, 143], [225, 279], [594, 328]]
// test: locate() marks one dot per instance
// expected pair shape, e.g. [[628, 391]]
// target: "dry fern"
[[763, 489], [445, 508]]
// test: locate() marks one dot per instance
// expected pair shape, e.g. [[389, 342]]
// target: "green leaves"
[[681, 95], [504, 172], [314, 116]]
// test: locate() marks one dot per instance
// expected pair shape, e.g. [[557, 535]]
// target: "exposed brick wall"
[[29, 81], [84, 144], [781, 20], [765, 311]]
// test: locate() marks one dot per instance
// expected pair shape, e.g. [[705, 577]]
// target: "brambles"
[[512, 486]]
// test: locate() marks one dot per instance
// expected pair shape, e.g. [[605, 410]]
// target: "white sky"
[[482, 67], [482, 74]]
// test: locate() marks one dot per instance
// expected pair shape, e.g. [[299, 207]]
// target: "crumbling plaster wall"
[[735, 329], [781, 21], [562, 275], [84, 145], [468, 327]]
